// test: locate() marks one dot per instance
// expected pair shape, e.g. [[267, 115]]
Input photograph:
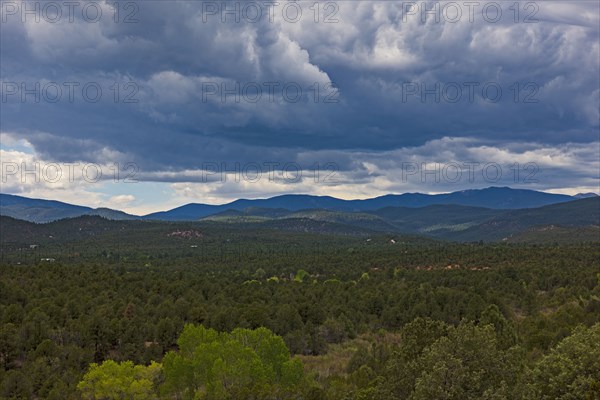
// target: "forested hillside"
[[99, 309]]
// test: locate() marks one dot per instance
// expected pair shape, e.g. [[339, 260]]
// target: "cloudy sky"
[[148, 105]]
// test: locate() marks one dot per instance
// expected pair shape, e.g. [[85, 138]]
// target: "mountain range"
[[493, 197], [526, 215], [40, 211], [569, 222]]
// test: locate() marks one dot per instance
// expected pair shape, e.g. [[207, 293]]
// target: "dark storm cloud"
[[374, 64]]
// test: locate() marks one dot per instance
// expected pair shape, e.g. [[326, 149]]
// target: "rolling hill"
[[448, 222], [40, 211], [575, 214]]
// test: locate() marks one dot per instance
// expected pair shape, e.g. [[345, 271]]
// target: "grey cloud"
[[370, 55]]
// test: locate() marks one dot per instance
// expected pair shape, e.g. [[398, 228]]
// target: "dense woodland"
[[100, 310]]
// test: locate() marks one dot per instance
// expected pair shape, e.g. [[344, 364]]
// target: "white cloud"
[[120, 201]]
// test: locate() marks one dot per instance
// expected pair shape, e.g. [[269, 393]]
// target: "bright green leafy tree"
[[242, 364], [112, 380]]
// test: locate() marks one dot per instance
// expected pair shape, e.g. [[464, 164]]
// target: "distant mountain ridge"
[[37, 210], [567, 222], [492, 197]]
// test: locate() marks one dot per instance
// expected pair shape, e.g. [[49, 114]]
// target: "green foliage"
[[209, 365], [259, 274], [419, 334], [571, 370], [337, 330], [111, 380], [300, 275], [437, 361], [505, 331], [292, 373], [466, 364], [194, 336], [232, 365]]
